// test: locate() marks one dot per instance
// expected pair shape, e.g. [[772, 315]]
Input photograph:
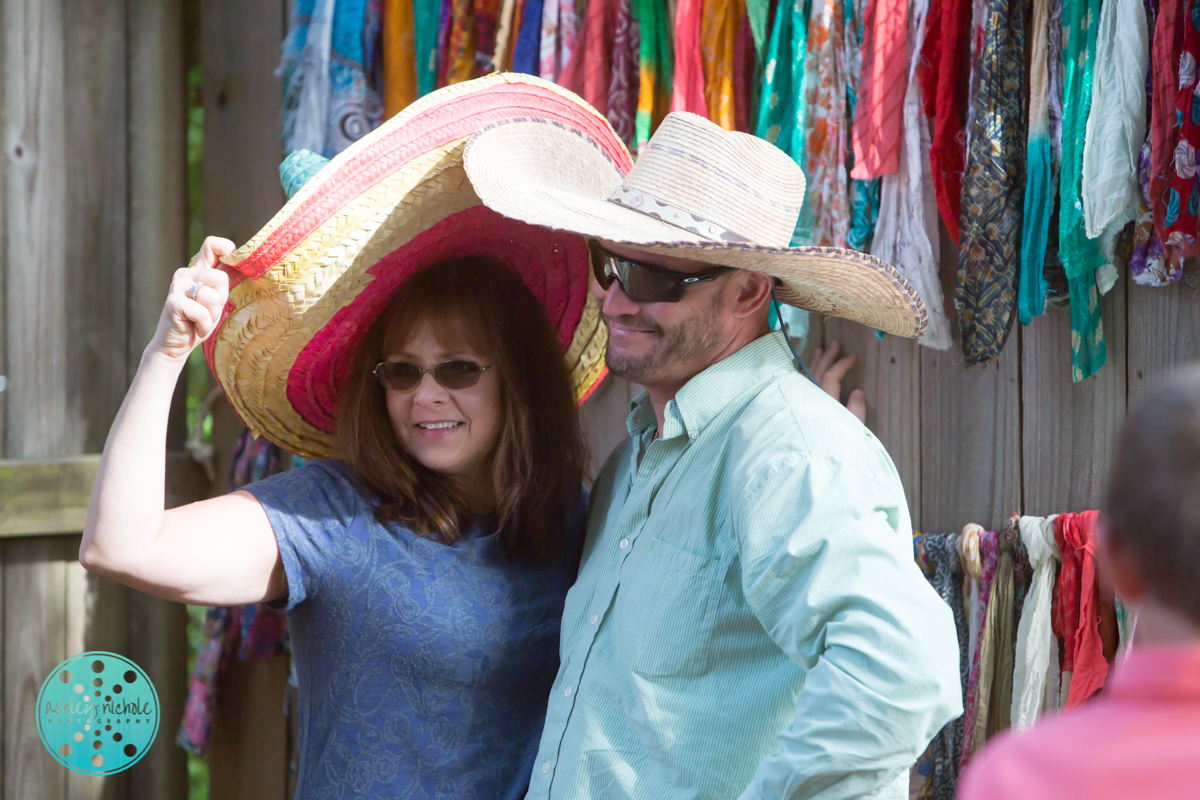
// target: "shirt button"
[[567, 691], [595, 618], [624, 544], [546, 768]]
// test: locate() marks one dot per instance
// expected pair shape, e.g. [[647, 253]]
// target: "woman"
[[424, 573]]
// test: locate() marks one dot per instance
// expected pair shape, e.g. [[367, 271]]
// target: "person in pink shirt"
[[1140, 737]]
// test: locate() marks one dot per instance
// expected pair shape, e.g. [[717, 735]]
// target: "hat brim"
[[305, 288], [546, 173]]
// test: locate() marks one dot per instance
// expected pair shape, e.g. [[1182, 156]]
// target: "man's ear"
[[1118, 567], [753, 292]]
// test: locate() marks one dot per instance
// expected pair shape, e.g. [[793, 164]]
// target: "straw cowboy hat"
[[306, 288], [697, 191]]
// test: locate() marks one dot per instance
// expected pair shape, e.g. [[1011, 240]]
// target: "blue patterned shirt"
[[423, 668], [748, 619]]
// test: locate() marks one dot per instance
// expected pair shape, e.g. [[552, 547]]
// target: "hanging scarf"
[[945, 574], [1031, 298], [328, 97], [993, 188], [688, 94], [1116, 126], [744, 76], [825, 71], [1169, 29], [459, 58], [1080, 256], [944, 89], [483, 36], [656, 68], [1151, 263], [1183, 196], [1035, 674], [878, 116], [906, 234], [305, 66], [864, 195], [527, 51], [510, 13], [399, 57], [559, 36], [591, 75], [989, 557], [758, 13], [425, 46], [719, 23], [623, 84], [782, 110], [1078, 609]]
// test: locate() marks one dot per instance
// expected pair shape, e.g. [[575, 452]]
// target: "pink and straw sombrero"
[[306, 288]]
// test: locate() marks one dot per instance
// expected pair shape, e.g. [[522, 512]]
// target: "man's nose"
[[614, 302]]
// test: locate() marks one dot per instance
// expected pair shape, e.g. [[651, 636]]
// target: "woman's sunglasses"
[[404, 376], [645, 283]]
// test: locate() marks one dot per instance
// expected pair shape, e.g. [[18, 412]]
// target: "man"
[[748, 620]]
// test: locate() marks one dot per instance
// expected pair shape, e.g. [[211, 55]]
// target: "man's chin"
[[628, 366]]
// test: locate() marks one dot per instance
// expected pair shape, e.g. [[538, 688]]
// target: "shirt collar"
[[734, 377], [1158, 672]]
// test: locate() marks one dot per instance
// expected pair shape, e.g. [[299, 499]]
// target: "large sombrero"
[[308, 285], [697, 191]]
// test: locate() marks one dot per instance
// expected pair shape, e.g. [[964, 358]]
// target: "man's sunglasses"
[[404, 376], [645, 283]]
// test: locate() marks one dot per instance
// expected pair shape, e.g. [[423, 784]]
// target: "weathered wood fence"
[[92, 215]]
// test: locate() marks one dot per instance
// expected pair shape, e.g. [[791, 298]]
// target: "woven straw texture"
[[307, 286], [697, 192]]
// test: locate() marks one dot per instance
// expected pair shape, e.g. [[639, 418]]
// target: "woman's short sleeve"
[[312, 511]]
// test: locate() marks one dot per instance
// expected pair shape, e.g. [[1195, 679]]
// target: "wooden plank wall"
[[1016, 435], [91, 228]]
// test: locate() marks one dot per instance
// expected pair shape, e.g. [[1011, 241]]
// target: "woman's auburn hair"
[[538, 460]]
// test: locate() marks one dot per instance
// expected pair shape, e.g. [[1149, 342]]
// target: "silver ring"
[[194, 292]]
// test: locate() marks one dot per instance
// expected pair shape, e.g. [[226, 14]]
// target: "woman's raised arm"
[[215, 552]]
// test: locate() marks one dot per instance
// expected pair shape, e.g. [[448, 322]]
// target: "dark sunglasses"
[[645, 283], [404, 376]]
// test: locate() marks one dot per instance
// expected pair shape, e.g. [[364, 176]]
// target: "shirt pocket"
[[667, 608]]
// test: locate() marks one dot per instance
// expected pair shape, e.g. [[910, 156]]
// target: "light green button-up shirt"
[[748, 619]]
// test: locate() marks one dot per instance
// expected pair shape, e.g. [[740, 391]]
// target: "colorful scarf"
[[782, 112], [944, 90], [1183, 196], [1080, 255], [1167, 52], [459, 59], [688, 94], [623, 84], [656, 68], [825, 133], [907, 233], [719, 24], [527, 51], [399, 58], [1116, 126], [1031, 297], [560, 27], [993, 189], [879, 113]]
